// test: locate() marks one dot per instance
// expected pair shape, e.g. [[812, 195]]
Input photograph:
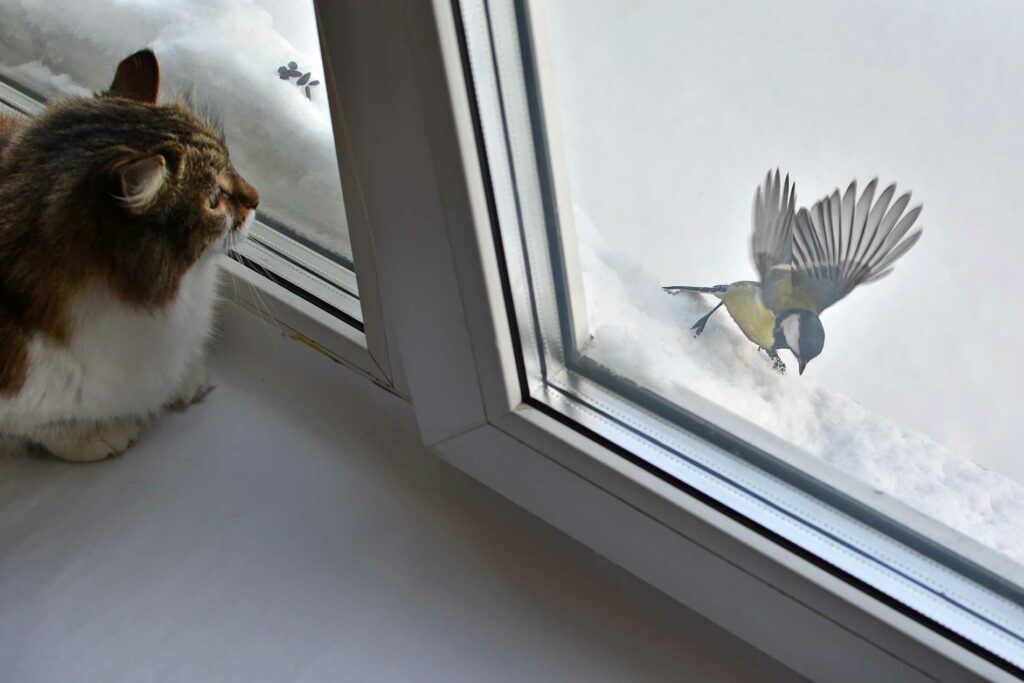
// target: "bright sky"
[[673, 111]]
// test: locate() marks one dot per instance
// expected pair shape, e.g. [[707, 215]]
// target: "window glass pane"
[[671, 115], [624, 145], [254, 66]]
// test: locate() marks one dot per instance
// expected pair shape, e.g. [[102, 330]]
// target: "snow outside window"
[[671, 115], [254, 66], [624, 145]]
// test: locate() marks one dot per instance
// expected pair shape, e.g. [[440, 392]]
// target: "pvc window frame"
[[316, 308], [952, 582], [398, 78]]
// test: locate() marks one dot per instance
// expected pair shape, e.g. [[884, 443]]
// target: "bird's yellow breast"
[[743, 301]]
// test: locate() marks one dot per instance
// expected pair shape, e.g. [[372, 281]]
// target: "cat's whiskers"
[[261, 306], [234, 285]]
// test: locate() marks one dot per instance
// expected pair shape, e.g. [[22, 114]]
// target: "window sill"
[[295, 509]]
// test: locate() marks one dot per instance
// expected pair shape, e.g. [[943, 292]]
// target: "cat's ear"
[[140, 182], [137, 78]]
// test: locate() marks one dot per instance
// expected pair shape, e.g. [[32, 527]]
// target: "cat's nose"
[[247, 195]]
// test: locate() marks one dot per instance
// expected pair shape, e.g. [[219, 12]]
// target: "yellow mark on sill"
[[299, 337]]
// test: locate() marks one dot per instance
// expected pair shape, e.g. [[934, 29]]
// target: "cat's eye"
[[215, 198]]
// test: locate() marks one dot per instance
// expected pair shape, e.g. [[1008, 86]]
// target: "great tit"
[[808, 261]]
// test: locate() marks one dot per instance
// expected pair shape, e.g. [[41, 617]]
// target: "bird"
[[809, 259]]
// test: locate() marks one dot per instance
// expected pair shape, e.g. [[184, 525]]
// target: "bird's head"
[[801, 332]]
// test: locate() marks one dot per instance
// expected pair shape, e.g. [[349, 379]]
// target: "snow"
[[643, 333], [223, 54]]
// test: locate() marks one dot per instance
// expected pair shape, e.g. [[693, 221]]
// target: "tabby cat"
[[113, 213]]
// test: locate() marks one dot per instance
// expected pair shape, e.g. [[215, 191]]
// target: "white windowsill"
[[292, 527]]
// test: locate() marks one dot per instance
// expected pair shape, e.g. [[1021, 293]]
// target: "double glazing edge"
[[924, 570], [270, 254], [334, 268], [18, 100]]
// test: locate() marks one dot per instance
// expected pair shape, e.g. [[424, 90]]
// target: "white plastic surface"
[[292, 528]]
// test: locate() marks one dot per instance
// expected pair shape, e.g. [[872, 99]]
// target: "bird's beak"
[[803, 364]]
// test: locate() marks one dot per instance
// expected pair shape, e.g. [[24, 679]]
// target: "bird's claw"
[[776, 359]]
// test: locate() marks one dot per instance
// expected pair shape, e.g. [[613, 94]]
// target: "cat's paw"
[[91, 442], [193, 390]]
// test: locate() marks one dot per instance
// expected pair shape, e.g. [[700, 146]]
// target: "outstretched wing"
[[842, 242], [772, 239]]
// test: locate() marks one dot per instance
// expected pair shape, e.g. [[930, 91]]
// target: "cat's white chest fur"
[[122, 361]]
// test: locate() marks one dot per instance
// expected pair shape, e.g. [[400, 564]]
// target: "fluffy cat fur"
[[113, 211]]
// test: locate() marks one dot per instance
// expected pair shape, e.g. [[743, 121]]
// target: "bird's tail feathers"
[[700, 290]]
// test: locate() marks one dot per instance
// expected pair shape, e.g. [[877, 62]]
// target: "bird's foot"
[[776, 359], [698, 327]]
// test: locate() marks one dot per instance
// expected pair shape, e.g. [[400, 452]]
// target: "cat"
[[114, 211]]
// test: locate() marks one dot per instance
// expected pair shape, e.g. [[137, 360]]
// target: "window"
[[522, 177], [253, 66], [623, 144]]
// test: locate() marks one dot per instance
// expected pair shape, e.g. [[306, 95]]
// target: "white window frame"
[[365, 350], [404, 120]]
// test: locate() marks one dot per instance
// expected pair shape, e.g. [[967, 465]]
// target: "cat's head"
[[169, 167], [128, 190]]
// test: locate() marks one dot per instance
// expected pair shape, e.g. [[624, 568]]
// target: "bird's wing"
[[842, 242], [772, 239]]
